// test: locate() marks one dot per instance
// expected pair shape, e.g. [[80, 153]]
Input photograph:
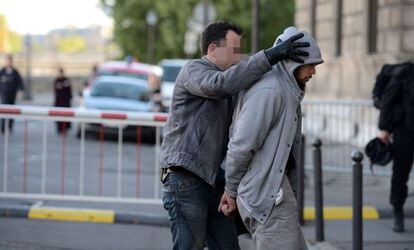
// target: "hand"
[[287, 50], [384, 136], [20, 95], [228, 206]]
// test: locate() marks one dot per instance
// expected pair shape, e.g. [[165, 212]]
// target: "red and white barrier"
[[83, 117], [68, 113]]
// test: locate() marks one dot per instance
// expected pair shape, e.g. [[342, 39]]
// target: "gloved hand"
[[287, 50]]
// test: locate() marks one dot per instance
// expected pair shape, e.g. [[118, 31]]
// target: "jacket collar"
[[204, 58], [282, 72]]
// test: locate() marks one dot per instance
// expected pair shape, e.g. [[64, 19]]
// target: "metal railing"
[[38, 179], [343, 126], [38, 165]]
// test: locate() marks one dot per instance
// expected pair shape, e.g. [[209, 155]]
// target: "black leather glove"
[[287, 50]]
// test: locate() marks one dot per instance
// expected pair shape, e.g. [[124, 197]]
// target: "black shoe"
[[399, 221]]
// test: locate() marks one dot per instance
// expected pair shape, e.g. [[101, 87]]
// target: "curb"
[[81, 215], [111, 216]]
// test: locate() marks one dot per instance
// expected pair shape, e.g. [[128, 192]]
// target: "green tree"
[[131, 30]]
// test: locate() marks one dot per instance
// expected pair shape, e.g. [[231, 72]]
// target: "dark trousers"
[[10, 99], [63, 127], [403, 153], [192, 209], [3, 125]]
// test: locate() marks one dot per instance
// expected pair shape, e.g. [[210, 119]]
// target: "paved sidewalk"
[[337, 192], [377, 234]]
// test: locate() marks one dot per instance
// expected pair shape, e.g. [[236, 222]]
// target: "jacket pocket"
[[201, 126]]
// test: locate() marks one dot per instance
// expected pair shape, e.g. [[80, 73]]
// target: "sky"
[[41, 16]]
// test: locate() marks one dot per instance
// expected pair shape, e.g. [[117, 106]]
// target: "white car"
[[170, 69]]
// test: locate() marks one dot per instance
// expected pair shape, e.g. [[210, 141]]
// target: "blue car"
[[118, 93]]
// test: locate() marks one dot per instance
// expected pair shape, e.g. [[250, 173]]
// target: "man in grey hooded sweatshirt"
[[264, 152]]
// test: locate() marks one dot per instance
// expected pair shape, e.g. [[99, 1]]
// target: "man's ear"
[[211, 50]]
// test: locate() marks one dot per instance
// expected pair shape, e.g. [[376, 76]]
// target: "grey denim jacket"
[[196, 132]]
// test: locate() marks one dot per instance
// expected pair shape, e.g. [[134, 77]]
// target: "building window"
[[313, 18], [372, 25], [338, 34]]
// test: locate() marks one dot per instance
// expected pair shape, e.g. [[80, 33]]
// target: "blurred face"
[[227, 53], [303, 74], [8, 62], [60, 72]]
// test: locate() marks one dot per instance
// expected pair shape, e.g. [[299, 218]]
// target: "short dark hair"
[[216, 32]]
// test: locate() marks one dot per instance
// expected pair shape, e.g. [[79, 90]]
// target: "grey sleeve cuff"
[[231, 190], [262, 62]]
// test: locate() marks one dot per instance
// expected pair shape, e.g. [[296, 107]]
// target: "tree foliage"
[[131, 29]]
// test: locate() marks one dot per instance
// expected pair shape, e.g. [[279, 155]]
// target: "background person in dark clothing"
[[397, 120], [10, 83], [63, 97]]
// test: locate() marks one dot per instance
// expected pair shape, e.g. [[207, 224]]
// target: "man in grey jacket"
[[196, 134], [263, 152]]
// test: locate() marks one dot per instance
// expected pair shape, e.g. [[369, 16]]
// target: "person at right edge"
[[396, 121], [264, 152], [196, 134]]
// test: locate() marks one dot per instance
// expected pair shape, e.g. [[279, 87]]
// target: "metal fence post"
[[301, 182], [357, 158], [317, 158]]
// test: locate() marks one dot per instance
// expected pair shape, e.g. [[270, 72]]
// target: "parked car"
[[170, 69], [129, 69], [118, 93], [146, 72]]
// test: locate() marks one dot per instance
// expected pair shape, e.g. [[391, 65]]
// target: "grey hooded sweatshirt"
[[266, 128]]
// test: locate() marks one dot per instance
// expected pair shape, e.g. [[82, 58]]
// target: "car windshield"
[[170, 73], [120, 73], [121, 90]]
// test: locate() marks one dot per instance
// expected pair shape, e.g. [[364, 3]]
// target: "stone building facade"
[[356, 38]]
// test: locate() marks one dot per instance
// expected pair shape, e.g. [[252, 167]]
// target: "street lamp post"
[[151, 20], [205, 13], [255, 26], [28, 88]]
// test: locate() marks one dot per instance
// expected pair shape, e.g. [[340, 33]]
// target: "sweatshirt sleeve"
[[215, 84], [253, 123]]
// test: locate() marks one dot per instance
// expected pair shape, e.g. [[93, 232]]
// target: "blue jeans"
[[192, 209]]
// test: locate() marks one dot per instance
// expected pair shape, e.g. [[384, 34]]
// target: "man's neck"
[[8, 69], [212, 60]]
